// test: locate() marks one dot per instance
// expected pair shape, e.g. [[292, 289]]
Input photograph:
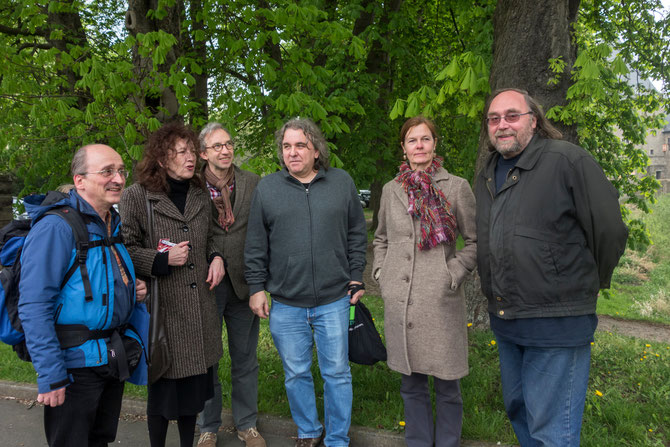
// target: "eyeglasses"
[[510, 118], [109, 172], [218, 147]]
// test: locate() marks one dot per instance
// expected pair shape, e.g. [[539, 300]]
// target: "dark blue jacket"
[[48, 253]]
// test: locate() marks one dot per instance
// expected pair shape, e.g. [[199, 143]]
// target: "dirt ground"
[[639, 329]]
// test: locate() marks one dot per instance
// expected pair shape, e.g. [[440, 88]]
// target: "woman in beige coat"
[[420, 272], [187, 273]]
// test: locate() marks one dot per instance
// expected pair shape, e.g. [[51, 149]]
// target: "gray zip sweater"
[[305, 245]]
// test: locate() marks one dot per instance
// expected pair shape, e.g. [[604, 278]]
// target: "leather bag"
[[159, 353]]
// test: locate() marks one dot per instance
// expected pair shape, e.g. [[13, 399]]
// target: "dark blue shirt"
[[540, 332]]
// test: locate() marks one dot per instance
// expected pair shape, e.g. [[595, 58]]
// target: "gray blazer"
[[231, 243]]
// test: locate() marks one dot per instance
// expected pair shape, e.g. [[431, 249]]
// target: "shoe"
[[207, 439], [251, 437], [310, 442]]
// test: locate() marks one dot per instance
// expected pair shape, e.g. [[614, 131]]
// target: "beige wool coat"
[[424, 304], [191, 316]]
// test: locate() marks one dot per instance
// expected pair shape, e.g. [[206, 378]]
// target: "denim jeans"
[[294, 331], [544, 390]]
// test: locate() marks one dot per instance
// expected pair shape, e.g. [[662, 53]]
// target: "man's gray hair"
[[208, 129], [78, 165], [313, 134]]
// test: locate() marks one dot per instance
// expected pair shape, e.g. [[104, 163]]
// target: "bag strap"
[[76, 221]]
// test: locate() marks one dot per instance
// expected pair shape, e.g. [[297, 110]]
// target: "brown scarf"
[[222, 204]]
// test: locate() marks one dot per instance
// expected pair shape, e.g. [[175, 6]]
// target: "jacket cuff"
[[160, 266], [44, 386], [255, 288], [356, 275]]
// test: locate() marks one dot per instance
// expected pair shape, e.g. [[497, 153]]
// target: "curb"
[[275, 425]]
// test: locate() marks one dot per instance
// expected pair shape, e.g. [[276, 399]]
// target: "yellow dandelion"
[[658, 355], [644, 356], [469, 324], [639, 384], [641, 359], [493, 342], [599, 394], [647, 346], [644, 352], [650, 430], [592, 343], [401, 423]]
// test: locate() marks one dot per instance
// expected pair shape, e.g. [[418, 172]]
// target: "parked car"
[[364, 195]]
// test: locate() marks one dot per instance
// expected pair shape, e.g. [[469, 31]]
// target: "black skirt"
[[172, 398]]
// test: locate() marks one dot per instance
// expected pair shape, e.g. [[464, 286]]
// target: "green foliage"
[[71, 74]]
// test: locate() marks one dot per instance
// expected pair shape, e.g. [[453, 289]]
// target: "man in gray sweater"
[[305, 245]]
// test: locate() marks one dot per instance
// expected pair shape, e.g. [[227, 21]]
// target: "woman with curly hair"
[[179, 253]]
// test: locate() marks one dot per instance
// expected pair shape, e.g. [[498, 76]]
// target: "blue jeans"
[[294, 331], [544, 390]]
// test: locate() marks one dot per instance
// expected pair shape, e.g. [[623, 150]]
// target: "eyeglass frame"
[[123, 172], [498, 119], [230, 145]]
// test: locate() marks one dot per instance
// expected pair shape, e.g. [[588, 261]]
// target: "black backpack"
[[12, 239]]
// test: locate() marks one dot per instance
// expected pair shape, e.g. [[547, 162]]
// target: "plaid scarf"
[[428, 204], [222, 202]]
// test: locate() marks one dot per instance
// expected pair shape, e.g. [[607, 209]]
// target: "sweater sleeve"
[[256, 255], [357, 236], [45, 260]]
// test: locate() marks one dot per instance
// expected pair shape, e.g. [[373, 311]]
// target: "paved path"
[[22, 425]]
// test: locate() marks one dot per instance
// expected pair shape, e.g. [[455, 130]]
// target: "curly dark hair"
[[157, 150]]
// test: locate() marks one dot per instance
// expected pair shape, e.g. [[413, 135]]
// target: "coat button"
[[410, 325], [498, 298], [502, 312], [193, 285], [191, 266], [185, 228], [515, 178]]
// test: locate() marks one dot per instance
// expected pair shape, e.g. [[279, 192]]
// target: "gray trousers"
[[419, 428], [242, 327]]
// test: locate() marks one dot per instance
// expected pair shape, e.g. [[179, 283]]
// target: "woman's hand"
[[216, 272], [178, 254], [140, 290]]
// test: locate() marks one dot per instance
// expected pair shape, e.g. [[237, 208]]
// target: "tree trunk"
[[525, 36]]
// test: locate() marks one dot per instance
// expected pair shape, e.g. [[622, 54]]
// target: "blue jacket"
[[47, 255]]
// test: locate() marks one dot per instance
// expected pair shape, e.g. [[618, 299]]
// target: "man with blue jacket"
[[306, 242], [80, 386]]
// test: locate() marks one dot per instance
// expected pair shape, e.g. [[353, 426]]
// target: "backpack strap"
[[76, 221]]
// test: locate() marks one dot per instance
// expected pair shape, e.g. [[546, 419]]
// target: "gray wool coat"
[[191, 317], [231, 243], [424, 304]]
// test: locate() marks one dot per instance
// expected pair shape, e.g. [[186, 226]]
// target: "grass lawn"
[[628, 402], [641, 283]]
